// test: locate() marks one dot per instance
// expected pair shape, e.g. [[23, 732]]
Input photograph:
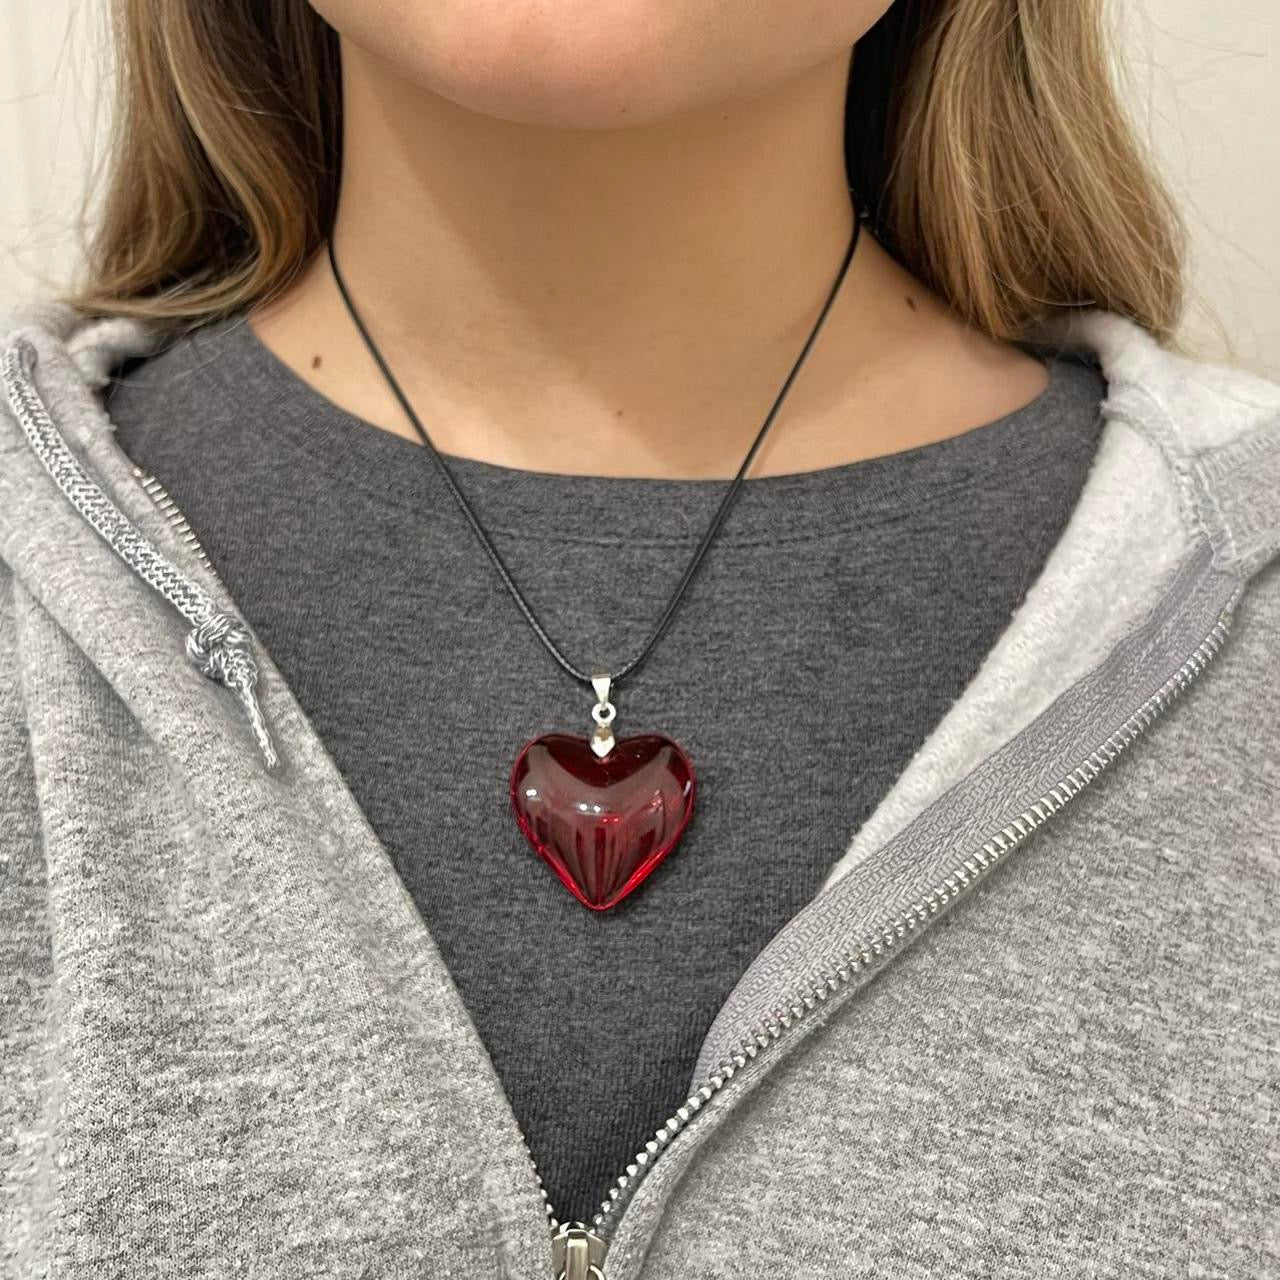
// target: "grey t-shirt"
[[837, 617]]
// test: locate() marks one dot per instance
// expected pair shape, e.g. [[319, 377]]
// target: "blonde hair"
[[985, 137]]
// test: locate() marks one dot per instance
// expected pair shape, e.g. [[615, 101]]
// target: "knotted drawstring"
[[219, 644], [220, 648]]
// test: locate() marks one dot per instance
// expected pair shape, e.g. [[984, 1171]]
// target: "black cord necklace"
[[602, 811]]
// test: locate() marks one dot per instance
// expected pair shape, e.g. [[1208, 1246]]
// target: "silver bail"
[[602, 713]]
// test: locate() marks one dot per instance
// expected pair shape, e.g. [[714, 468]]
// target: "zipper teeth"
[[943, 894], [177, 521]]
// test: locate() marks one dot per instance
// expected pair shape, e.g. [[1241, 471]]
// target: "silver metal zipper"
[[577, 1254], [578, 1249], [180, 524], [865, 957]]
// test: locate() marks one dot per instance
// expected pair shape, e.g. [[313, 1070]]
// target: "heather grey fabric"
[[835, 588], [1076, 1073], [230, 1046], [1072, 741]]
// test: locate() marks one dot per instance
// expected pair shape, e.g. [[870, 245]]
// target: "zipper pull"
[[577, 1254]]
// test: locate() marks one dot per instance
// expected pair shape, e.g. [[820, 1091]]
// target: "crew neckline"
[[801, 505]]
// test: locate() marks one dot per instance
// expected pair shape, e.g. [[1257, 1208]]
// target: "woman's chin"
[[607, 66], [530, 96]]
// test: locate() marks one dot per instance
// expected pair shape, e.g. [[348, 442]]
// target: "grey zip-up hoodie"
[[229, 1047]]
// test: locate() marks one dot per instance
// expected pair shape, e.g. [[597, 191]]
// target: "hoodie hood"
[[1180, 512]]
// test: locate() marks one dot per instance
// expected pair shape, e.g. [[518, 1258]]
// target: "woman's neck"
[[622, 301]]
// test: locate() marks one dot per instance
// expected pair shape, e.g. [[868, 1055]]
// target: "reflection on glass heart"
[[602, 824]]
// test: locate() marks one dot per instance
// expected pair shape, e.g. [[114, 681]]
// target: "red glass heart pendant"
[[602, 823]]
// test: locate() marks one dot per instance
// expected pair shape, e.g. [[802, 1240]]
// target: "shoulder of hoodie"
[[75, 355], [94, 345], [1216, 425]]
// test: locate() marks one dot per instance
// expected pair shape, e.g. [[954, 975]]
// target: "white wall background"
[[1203, 80], [54, 58], [1204, 87]]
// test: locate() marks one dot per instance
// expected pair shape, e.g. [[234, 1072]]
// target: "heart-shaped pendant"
[[603, 822]]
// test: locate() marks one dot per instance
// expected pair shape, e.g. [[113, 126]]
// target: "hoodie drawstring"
[[219, 644]]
